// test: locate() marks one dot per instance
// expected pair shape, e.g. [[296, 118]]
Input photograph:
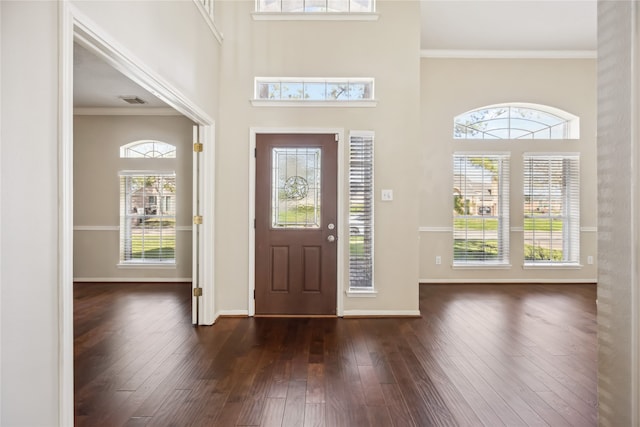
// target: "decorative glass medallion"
[[295, 187]]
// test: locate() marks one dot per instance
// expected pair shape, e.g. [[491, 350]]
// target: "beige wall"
[[452, 86], [97, 162], [388, 50]]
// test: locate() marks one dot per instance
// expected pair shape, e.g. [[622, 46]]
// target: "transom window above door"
[[148, 149], [315, 6], [516, 121], [314, 91]]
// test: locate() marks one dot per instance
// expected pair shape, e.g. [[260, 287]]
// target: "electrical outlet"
[[387, 195], [438, 260]]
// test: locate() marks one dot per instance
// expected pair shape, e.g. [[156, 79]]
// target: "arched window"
[[148, 149], [516, 121]]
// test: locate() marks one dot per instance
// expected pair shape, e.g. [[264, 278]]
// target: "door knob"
[[331, 238]]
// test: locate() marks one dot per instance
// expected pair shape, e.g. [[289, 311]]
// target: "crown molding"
[[508, 54]]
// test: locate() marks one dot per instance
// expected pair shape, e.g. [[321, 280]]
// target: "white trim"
[[426, 229], [315, 16], [635, 207], [209, 20], [435, 229], [65, 211], [302, 103], [361, 293], [508, 54], [232, 313], [476, 266], [147, 265], [1, 286], [207, 231], [552, 266], [96, 228], [507, 281], [125, 111], [342, 220], [117, 228], [382, 313], [132, 279]]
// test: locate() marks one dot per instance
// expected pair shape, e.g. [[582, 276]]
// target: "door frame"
[[342, 194], [75, 26]]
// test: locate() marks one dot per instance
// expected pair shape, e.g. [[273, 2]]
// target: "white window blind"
[[480, 208], [147, 217], [551, 208], [361, 211]]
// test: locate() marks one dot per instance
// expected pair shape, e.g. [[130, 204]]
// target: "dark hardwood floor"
[[481, 355]]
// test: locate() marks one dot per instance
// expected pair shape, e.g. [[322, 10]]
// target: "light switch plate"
[[387, 195]]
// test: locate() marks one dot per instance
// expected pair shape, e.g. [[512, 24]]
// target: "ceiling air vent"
[[133, 100]]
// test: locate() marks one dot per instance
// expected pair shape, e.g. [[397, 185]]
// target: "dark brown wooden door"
[[296, 224]]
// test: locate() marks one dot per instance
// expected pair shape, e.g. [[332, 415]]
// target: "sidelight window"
[[361, 211]]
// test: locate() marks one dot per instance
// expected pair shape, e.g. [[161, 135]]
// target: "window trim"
[[315, 16]]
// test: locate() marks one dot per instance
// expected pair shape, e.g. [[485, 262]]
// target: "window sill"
[[315, 16], [145, 265], [476, 266], [361, 293], [301, 103], [552, 266]]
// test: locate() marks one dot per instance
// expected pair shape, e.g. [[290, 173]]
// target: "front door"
[[296, 224]]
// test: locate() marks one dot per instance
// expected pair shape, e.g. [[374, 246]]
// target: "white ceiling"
[[481, 26], [96, 84], [513, 25]]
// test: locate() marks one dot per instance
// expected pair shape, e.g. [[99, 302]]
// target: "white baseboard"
[[232, 313], [381, 313], [132, 279], [507, 281]]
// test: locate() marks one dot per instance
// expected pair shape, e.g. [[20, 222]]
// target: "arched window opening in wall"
[[516, 121]]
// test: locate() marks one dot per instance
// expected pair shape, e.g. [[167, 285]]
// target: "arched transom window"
[[148, 149], [516, 121]]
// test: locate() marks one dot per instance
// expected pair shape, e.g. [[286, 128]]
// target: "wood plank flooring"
[[481, 355]]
